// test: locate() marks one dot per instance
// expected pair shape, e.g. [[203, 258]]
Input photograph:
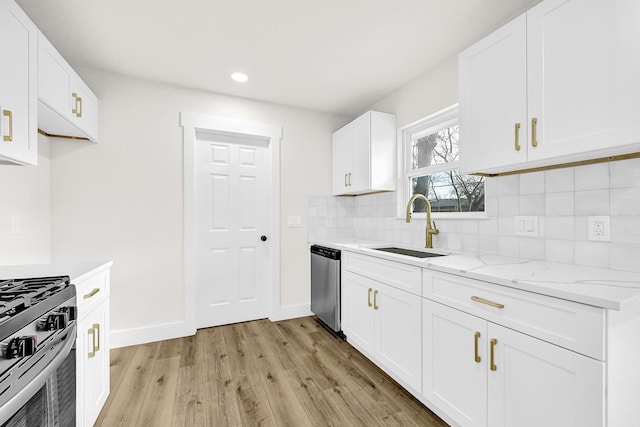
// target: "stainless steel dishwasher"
[[325, 287]]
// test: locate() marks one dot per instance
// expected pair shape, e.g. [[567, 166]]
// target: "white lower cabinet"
[[479, 373], [377, 319], [92, 348]]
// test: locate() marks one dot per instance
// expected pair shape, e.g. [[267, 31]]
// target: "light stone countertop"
[[77, 271], [611, 289]]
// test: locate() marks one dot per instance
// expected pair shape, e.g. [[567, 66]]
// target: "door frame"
[[192, 123]]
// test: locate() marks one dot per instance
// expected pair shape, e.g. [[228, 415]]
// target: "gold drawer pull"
[[517, 137], [92, 353], [96, 326], [475, 346], [493, 361], [92, 293], [9, 138], [375, 300], [369, 297], [487, 302], [534, 123]]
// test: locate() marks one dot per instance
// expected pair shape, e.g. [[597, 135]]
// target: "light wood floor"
[[290, 373]]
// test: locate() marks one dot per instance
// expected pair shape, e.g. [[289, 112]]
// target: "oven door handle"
[[13, 405]]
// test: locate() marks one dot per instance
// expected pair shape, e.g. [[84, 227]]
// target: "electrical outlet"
[[15, 225], [599, 228], [329, 221]]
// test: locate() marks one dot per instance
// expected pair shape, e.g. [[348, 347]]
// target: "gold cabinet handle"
[[96, 326], [476, 338], [349, 179], [8, 113], [75, 103], [92, 293], [534, 123], [345, 180], [369, 297], [517, 147], [375, 300], [92, 353], [487, 302], [493, 361], [80, 110]]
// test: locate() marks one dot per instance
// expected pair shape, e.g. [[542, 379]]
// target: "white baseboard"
[[142, 335], [291, 312], [167, 331]]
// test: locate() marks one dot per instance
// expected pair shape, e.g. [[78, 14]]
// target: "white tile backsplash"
[[561, 198]]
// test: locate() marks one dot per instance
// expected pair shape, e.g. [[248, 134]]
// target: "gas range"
[[37, 330]]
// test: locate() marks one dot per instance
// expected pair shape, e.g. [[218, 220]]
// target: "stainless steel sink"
[[409, 252]]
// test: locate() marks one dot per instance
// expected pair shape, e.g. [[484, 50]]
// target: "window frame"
[[435, 122]]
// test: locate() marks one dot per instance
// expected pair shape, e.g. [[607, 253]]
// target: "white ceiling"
[[336, 56]]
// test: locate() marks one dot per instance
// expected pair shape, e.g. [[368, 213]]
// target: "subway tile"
[[558, 204], [508, 185], [532, 183], [509, 246], [558, 180], [488, 227], [592, 202], [580, 228], [559, 251], [559, 227], [532, 248], [470, 226], [491, 206], [470, 243], [592, 177], [625, 256], [454, 241], [625, 201], [508, 206], [625, 173], [625, 229], [488, 244], [532, 204], [491, 186], [506, 226], [592, 254]]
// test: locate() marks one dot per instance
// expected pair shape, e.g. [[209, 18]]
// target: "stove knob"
[[19, 347], [71, 311], [53, 322]]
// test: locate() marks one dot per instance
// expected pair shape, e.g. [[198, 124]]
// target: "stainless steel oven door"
[[48, 398]]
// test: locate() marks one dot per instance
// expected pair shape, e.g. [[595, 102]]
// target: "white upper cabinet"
[[67, 107], [18, 89], [364, 155], [556, 85]]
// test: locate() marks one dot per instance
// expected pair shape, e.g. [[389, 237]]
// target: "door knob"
[[263, 238]]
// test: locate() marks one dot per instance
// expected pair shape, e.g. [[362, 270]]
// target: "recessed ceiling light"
[[239, 77]]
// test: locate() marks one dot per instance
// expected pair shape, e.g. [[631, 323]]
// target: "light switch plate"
[[526, 225], [294, 221]]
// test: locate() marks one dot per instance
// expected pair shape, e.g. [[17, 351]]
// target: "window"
[[431, 167]]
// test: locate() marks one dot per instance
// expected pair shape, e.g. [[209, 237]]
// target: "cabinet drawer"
[[571, 325], [401, 276], [91, 291]]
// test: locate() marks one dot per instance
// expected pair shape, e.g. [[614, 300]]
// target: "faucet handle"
[[434, 230]]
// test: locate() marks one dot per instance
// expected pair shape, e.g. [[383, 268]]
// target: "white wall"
[[122, 199], [25, 192]]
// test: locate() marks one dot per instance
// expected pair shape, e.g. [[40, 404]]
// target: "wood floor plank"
[[126, 406], [260, 373], [160, 396]]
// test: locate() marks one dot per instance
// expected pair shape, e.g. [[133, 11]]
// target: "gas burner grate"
[[17, 295]]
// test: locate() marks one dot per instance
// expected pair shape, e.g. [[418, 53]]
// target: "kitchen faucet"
[[431, 229]]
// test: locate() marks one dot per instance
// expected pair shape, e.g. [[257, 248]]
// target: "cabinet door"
[[357, 311], [539, 384], [18, 86], [580, 90], [54, 80], [493, 99], [92, 364], [341, 158], [398, 338], [454, 372], [359, 180]]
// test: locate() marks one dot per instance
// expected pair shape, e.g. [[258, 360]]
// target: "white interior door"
[[231, 223]]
